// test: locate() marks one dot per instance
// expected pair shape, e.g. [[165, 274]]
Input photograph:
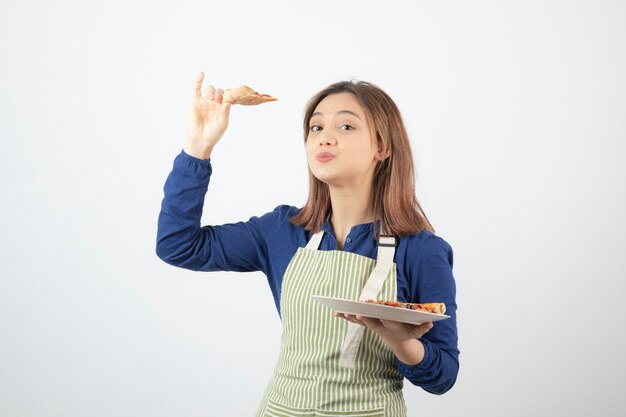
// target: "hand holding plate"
[[388, 330]]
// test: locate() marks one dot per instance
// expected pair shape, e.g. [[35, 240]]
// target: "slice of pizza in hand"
[[246, 96], [437, 308]]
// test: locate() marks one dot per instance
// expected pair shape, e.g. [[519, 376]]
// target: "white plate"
[[379, 311]]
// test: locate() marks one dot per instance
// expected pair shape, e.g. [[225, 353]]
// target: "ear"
[[381, 153], [381, 156]]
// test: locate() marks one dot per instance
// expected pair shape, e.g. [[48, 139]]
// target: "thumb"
[[225, 113]]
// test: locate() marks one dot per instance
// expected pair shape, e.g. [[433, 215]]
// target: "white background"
[[516, 112]]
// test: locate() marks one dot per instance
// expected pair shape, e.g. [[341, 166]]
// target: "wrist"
[[198, 150], [410, 351]]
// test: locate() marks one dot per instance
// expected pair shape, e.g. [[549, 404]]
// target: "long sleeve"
[[182, 242], [433, 281]]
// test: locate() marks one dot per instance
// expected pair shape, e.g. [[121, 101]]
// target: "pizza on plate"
[[437, 308], [246, 96]]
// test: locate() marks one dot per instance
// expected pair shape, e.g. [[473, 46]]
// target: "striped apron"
[[328, 366]]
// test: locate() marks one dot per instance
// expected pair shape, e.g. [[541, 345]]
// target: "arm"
[[182, 242], [432, 281], [180, 239], [427, 354]]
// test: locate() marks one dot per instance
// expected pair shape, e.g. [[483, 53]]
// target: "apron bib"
[[328, 366]]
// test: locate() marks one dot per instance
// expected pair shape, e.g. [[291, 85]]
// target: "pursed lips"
[[324, 156]]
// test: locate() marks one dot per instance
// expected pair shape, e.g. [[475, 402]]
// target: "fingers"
[[228, 99], [225, 111], [214, 94], [361, 320], [417, 328], [372, 323], [376, 324], [219, 94], [350, 317], [209, 93], [426, 327], [197, 87]]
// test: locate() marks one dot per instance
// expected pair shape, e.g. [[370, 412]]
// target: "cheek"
[[310, 148]]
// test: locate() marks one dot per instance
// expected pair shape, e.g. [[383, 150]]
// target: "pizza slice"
[[437, 308], [246, 96]]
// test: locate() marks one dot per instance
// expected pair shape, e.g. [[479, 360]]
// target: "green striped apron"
[[328, 366]]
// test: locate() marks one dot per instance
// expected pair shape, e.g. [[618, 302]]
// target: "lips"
[[324, 156]]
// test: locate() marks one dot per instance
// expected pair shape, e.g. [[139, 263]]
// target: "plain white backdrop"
[[517, 115]]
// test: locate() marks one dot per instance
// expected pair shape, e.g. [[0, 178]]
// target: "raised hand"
[[208, 119]]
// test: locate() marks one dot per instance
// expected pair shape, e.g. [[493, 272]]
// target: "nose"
[[327, 138]]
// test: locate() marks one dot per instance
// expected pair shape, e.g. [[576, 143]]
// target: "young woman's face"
[[340, 146]]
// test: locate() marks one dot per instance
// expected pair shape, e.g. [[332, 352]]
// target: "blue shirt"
[[267, 243]]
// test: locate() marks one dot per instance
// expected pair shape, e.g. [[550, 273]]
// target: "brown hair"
[[393, 187]]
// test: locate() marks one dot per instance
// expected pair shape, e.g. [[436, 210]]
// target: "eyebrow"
[[339, 112]]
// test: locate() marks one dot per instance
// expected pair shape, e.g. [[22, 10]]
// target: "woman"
[[361, 233]]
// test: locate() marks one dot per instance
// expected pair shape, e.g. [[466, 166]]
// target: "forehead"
[[336, 102]]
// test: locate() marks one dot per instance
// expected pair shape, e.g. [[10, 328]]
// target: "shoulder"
[[426, 261], [425, 250], [425, 242], [277, 221], [281, 214]]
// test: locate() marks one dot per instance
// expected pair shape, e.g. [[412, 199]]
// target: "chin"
[[329, 180], [328, 175], [325, 178]]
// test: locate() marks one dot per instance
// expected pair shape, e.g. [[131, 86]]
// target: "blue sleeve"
[[432, 281], [182, 242]]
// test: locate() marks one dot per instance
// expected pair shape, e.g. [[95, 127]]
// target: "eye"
[[317, 128]]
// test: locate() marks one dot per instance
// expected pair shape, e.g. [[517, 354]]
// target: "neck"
[[350, 206]]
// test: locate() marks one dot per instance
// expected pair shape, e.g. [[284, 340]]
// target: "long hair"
[[393, 186]]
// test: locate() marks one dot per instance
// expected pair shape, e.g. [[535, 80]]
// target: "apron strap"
[[314, 242], [384, 263]]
